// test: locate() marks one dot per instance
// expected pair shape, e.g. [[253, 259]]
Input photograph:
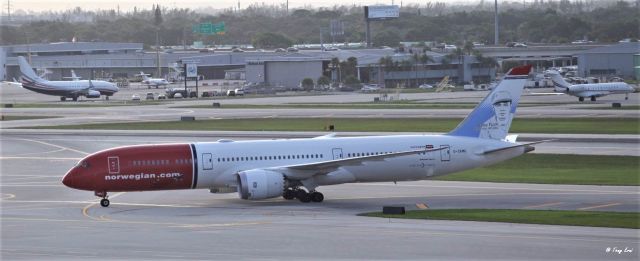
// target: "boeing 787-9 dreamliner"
[[296, 168]]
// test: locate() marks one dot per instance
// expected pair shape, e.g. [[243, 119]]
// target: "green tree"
[[307, 84], [335, 66], [468, 47], [157, 16], [271, 40], [386, 38], [351, 80], [323, 81], [348, 68]]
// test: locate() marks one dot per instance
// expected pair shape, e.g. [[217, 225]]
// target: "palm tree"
[[384, 64], [415, 58], [459, 53], [468, 47], [425, 59], [335, 65]]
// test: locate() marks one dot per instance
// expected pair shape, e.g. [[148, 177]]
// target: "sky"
[[59, 5]]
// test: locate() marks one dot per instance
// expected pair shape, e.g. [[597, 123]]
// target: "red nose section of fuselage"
[[136, 168], [73, 179]]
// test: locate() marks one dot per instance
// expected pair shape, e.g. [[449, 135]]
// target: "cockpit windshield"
[[83, 163]]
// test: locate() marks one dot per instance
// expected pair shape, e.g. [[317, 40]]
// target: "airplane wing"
[[304, 171], [83, 91]]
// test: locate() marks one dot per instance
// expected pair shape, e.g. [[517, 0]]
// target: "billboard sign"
[[192, 70], [381, 12]]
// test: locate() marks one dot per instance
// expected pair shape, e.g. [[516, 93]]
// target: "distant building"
[[612, 60], [284, 71], [105, 60]]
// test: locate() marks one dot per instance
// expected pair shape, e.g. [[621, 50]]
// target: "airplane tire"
[[317, 196], [593, 98], [104, 202], [580, 99], [303, 196], [75, 98], [63, 98], [289, 194]]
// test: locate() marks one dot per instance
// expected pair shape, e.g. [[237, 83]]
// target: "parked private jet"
[[295, 168], [64, 89], [588, 90], [153, 81]]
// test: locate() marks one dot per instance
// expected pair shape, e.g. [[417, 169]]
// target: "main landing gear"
[[302, 195], [104, 201]]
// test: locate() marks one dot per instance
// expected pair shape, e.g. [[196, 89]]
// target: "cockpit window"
[[83, 163]]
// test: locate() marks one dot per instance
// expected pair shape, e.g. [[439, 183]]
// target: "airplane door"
[[207, 161], [337, 153], [445, 154]]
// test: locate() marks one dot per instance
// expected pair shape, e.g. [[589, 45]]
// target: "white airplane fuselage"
[[598, 89], [209, 165], [458, 153], [71, 89]]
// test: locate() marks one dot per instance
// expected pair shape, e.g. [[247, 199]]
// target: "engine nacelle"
[[93, 94], [260, 184]]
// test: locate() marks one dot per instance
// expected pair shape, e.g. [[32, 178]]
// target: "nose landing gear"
[[104, 201]]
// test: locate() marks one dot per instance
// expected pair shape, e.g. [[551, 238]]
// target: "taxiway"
[[42, 219]]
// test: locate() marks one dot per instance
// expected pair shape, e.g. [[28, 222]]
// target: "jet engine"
[[93, 94], [260, 184]]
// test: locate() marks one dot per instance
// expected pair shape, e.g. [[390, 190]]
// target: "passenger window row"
[[364, 154], [137, 163], [281, 157]]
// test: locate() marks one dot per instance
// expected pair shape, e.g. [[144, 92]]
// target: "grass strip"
[[564, 125], [558, 169], [546, 217], [17, 118]]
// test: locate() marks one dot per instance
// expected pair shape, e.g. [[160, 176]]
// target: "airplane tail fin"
[[144, 75], [559, 84], [27, 70], [492, 118]]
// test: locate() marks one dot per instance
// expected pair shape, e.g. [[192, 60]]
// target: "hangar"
[[607, 61]]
